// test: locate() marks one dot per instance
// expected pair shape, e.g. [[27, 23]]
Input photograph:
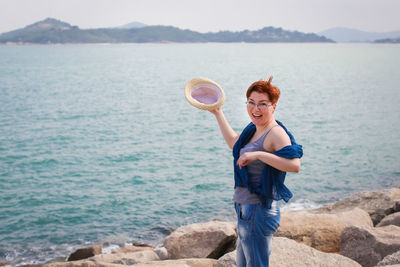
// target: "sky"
[[208, 15]]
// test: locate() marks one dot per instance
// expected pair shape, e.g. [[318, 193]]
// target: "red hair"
[[265, 87]]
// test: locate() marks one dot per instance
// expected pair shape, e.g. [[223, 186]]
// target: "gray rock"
[[288, 253], [202, 240], [228, 260], [369, 246], [126, 258], [390, 260], [194, 262], [320, 230], [132, 248], [378, 203], [82, 263], [392, 219], [162, 253], [84, 253]]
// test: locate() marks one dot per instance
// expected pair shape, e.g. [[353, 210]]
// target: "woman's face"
[[260, 108]]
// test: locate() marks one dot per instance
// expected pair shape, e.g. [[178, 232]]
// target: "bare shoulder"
[[276, 139]]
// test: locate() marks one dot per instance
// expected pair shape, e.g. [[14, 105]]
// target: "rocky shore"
[[360, 230]]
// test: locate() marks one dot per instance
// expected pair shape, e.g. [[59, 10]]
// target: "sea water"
[[98, 144]]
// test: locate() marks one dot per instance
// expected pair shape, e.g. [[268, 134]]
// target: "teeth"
[[256, 115]]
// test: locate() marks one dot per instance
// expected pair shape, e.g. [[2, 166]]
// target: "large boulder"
[[287, 253], [354, 217], [202, 240], [369, 246], [377, 203], [392, 219], [320, 230], [84, 253], [390, 260]]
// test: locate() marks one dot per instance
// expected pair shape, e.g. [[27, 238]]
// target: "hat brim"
[[204, 94]]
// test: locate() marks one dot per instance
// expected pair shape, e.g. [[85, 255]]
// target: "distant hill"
[[388, 40], [48, 23], [134, 24], [352, 35], [55, 31]]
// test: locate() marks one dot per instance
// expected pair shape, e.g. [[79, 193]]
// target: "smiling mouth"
[[256, 115]]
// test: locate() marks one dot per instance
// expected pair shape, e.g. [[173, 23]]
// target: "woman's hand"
[[216, 111], [246, 158]]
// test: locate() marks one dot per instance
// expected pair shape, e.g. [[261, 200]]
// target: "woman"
[[263, 153]]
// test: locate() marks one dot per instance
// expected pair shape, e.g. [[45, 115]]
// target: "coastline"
[[171, 42], [324, 230]]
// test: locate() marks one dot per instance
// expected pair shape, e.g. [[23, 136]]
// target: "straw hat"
[[204, 94]]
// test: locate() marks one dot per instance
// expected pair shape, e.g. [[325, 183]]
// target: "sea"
[[98, 144]]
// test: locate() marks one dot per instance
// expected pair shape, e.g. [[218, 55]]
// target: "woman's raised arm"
[[228, 133]]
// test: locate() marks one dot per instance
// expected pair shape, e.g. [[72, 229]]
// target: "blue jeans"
[[256, 224]]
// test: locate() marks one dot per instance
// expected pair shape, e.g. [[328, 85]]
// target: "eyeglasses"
[[261, 106]]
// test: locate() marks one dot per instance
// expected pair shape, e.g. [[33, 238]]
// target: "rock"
[[82, 263], [30, 265], [369, 246], [287, 253], [84, 253], [126, 258], [392, 219], [378, 203], [111, 260], [137, 244], [228, 260], [391, 259], [191, 262], [134, 248], [355, 217], [202, 240], [162, 253], [320, 231]]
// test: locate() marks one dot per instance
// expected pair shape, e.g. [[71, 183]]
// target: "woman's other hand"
[[246, 158]]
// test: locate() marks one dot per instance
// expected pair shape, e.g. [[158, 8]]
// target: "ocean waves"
[[98, 144]]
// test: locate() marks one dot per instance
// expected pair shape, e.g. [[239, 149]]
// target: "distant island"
[[388, 40], [340, 34], [53, 31]]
